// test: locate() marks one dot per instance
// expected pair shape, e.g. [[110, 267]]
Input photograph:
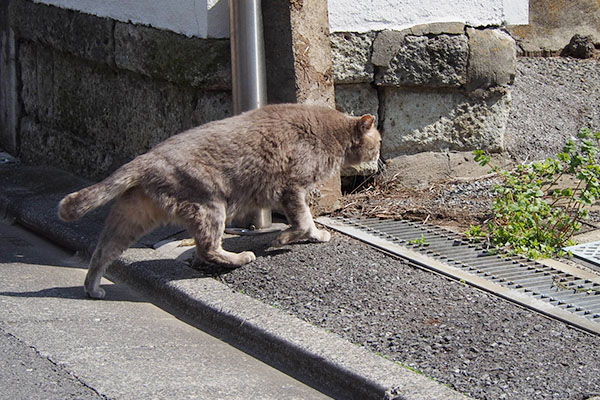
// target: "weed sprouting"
[[531, 214], [419, 241]]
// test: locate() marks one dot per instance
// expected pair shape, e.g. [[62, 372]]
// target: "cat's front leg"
[[302, 224], [206, 222]]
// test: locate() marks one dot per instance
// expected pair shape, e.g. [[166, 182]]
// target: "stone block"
[[36, 76], [81, 34], [43, 145], [492, 59], [121, 114], [311, 45], [386, 45], [164, 55], [159, 54], [357, 99], [438, 28], [298, 52], [433, 121], [408, 169], [352, 57], [212, 106], [430, 61], [118, 115], [9, 95], [364, 169]]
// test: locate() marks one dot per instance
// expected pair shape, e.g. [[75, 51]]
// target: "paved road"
[[58, 345], [26, 374]]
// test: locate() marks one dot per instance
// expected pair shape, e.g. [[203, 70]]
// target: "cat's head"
[[366, 141]]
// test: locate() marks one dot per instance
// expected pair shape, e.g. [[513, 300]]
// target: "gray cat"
[[265, 158]]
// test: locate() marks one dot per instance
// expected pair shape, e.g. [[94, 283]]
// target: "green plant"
[[533, 213], [419, 241]]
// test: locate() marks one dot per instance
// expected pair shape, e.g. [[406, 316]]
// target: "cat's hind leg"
[[302, 225], [132, 216], [206, 223]]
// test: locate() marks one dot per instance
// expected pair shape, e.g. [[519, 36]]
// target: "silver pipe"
[[249, 83], [249, 86]]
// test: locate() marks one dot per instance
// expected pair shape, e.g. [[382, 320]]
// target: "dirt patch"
[[447, 189]]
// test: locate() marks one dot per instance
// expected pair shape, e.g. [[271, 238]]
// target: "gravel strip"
[[552, 99], [477, 343]]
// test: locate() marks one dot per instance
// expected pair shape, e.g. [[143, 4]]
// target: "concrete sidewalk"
[[57, 345], [319, 358]]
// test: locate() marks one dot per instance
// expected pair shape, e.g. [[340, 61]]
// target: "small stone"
[[580, 47]]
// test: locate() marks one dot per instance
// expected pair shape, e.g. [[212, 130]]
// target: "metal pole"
[[248, 77], [247, 55]]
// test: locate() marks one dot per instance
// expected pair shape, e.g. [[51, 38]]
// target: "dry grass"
[[452, 203]]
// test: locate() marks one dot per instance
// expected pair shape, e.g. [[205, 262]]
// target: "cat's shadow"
[[113, 293], [261, 245]]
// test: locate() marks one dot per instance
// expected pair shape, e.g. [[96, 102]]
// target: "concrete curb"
[[310, 354]]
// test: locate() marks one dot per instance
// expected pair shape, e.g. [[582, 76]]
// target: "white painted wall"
[[210, 18], [375, 15], [188, 17]]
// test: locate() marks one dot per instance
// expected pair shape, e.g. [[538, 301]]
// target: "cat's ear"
[[366, 122]]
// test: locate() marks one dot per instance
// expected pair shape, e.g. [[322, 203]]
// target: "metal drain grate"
[[587, 251], [569, 294]]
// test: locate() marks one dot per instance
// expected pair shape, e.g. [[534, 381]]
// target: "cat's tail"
[[77, 204]]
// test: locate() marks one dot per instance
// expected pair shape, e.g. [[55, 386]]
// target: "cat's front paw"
[[290, 236], [245, 257], [320, 235]]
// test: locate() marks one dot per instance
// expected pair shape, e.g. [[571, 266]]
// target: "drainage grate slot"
[[575, 296], [570, 296]]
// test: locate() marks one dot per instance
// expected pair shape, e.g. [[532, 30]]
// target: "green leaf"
[[481, 157], [531, 215]]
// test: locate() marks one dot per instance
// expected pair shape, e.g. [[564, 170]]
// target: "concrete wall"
[[95, 92], [553, 22]]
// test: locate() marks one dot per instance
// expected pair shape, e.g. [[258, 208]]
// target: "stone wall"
[[9, 103], [434, 87], [94, 92]]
